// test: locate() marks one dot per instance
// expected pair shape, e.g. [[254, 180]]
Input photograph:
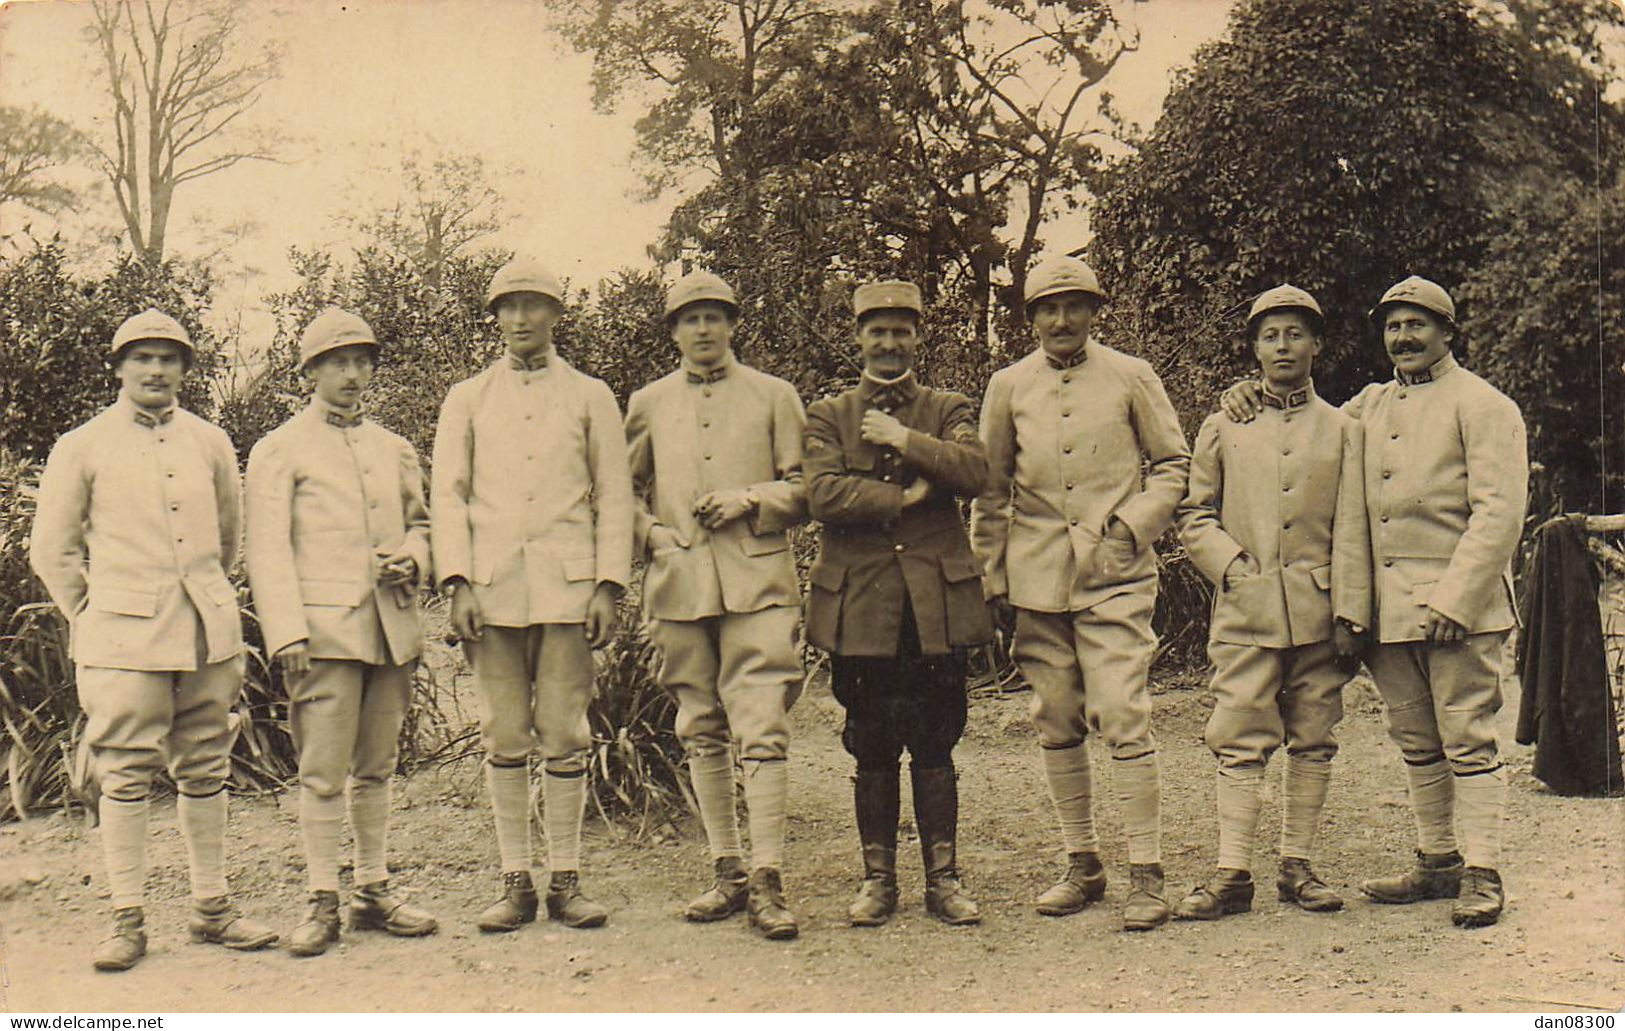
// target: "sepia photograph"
[[812, 506]]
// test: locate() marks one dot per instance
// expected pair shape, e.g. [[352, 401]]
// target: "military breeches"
[[1266, 696], [534, 684], [135, 717], [1088, 671], [346, 719], [738, 672], [1441, 699], [909, 700]]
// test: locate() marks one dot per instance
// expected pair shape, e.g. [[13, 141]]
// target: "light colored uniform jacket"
[[687, 436], [531, 500], [1288, 489], [1446, 484], [1064, 449], [135, 529], [325, 502]]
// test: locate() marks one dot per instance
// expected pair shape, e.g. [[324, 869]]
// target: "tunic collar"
[[716, 372], [1297, 399], [336, 416], [888, 393], [144, 417], [1076, 359], [1429, 374], [535, 363]]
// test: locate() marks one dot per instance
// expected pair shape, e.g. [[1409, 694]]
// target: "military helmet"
[[1420, 293], [523, 275], [332, 329], [1285, 297], [700, 285], [885, 295], [1059, 275], [151, 324]]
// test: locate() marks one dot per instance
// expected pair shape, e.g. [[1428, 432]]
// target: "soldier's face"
[[342, 374], [150, 372], [702, 332], [1062, 321], [1285, 345], [1414, 337], [526, 320], [888, 341]]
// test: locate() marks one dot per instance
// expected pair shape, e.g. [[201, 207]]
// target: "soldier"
[[338, 534], [136, 527], [716, 463], [896, 593], [1275, 518], [531, 511], [1446, 483], [1065, 530]]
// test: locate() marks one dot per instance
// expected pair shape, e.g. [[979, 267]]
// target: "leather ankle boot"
[[124, 948], [374, 907], [875, 798], [936, 813], [1147, 903], [769, 915], [1299, 885], [567, 905], [1084, 882], [1481, 900], [218, 922], [516, 907], [1226, 893], [724, 898], [321, 926], [1433, 877]]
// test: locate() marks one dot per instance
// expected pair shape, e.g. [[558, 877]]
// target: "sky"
[[362, 81]]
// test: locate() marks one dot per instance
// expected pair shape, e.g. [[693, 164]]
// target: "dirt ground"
[[1560, 947]]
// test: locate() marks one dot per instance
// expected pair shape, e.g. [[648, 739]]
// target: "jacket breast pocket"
[[345, 594], [125, 601], [859, 460]]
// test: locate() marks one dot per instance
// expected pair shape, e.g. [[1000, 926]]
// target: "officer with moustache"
[[531, 512], [1065, 530], [1275, 517], [136, 526], [716, 464], [338, 535], [1446, 485], [896, 593]]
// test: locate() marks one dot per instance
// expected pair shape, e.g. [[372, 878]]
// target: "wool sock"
[[203, 825], [124, 843], [1139, 791], [1240, 793], [1303, 795], [1067, 772], [712, 775], [767, 789], [320, 822], [510, 807]]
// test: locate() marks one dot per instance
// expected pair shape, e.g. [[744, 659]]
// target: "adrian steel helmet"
[[1285, 297], [700, 285], [332, 329], [522, 275], [1061, 275], [151, 324], [1420, 293]]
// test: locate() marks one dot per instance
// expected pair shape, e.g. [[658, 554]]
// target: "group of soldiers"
[[1382, 530]]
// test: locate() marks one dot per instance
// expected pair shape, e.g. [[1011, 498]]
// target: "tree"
[[446, 206], [177, 88], [33, 145]]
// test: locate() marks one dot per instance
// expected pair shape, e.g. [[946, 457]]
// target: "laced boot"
[[1299, 885], [724, 898], [1084, 882], [1433, 877], [321, 926], [1226, 893], [936, 814], [568, 906], [124, 948], [516, 907], [1147, 903], [218, 922], [769, 915], [1481, 899], [374, 907], [874, 797]]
